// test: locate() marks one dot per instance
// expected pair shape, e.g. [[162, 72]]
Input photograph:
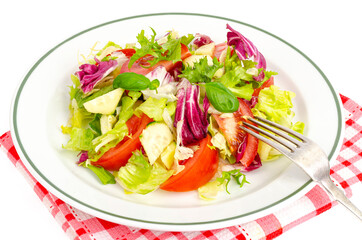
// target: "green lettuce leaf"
[[169, 51], [238, 77], [139, 176], [111, 138], [235, 174], [75, 88], [79, 117], [95, 124], [153, 108], [275, 105], [201, 71], [104, 176], [80, 139], [109, 44]]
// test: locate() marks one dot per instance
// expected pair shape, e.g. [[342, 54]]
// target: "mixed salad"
[[165, 112]]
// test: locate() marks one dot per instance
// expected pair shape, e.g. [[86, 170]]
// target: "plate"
[[40, 107]]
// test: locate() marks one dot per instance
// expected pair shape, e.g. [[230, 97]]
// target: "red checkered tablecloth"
[[346, 171]]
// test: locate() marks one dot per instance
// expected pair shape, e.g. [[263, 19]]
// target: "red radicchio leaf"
[[90, 74], [252, 102], [201, 40], [241, 149], [246, 49], [83, 157], [205, 106], [194, 122], [186, 134], [254, 165], [193, 112]]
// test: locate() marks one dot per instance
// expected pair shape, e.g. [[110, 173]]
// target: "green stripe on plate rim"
[[335, 96]]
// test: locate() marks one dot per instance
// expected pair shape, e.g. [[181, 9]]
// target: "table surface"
[[326, 31]]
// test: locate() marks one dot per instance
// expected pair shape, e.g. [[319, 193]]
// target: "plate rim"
[[93, 210]]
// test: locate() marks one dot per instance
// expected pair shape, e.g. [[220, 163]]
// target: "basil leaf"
[[154, 84], [131, 81], [221, 97]]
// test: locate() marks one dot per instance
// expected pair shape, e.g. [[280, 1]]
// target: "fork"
[[302, 151]]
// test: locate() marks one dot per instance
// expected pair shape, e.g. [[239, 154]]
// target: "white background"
[[329, 32]]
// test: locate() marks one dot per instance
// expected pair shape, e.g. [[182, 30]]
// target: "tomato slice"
[[235, 136], [138, 66], [266, 84], [198, 171], [118, 156]]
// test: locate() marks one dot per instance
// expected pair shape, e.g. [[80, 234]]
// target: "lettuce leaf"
[[139, 176], [239, 76], [153, 108], [111, 138], [80, 139], [109, 44], [104, 176], [235, 174], [170, 50], [275, 105], [201, 71]]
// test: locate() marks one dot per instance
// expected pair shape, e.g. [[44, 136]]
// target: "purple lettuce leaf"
[[245, 49], [83, 157], [90, 74], [201, 40], [188, 112], [194, 115], [254, 165]]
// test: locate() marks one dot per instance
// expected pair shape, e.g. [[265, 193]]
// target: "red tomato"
[[234, 135], [137, 67], [266, 84], [127, 51], [118, 156], [199, 169]]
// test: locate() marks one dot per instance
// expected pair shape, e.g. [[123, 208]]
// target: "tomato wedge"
[[266, 84], [199, 169], [235, 136], [137, 67], [118, 156]]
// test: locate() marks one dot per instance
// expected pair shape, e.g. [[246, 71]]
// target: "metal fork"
[[302, 151]]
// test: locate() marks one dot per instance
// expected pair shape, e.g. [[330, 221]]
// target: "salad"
[[165, 112]]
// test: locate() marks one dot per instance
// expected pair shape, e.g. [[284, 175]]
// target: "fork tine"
[[285, 129], [275, 128], [272, 143], [280, 140]]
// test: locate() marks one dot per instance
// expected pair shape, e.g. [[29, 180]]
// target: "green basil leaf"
[[154, 84], [131, 81], [221, 98]]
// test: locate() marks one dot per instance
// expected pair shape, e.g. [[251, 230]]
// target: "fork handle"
[[339, 195]]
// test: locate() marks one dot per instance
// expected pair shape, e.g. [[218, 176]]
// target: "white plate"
[[41, 103]]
